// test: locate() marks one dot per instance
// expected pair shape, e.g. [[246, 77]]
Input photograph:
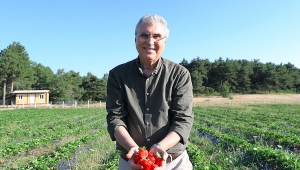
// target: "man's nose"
[[151, 40]]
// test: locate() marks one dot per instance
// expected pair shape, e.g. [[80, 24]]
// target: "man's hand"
[[130, 155], [157, 148]]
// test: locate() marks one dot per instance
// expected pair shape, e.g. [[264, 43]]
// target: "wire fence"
[[64, 104], [200, 101]]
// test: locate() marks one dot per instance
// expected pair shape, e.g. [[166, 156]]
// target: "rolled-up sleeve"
[[115, 106], [181, 110]]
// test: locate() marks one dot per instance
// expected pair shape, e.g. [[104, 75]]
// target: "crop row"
[[281, 138], [238, 118], [34, 131], [50, 160], [269, 115], [258, 152], [13, 149]]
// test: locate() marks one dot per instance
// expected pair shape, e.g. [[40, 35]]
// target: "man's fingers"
[[134, 166], [129, 155], [165, 155], [131, 152]]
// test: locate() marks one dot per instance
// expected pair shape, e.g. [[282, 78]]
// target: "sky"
[[96, 35]]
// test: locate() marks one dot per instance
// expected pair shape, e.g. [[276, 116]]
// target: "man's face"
[[150, 41]]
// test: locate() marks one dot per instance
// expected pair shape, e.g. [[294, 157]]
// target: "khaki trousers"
[[182, 162]]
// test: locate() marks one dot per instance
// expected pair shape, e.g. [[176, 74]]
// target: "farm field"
[[249, 137]]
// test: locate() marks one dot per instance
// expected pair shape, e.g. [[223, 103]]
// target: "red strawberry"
[[143, 153], [158, 159], [153, 166], [151, 157], [145, 164], [136, 158]]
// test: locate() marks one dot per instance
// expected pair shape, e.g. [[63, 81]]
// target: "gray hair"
[[152, 19]]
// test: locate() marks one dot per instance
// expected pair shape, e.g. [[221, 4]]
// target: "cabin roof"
[[30, 91]]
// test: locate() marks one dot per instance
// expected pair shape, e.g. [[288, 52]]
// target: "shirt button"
[[147, 109], [148, 139], [147, 123], [147, 94]]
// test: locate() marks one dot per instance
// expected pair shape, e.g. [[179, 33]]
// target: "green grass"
[[96, 154]]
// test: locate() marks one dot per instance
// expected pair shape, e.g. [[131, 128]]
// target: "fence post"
[[229, 101], [88, 104], [50, 104], [100, 103], [63, 104], [75, 104]]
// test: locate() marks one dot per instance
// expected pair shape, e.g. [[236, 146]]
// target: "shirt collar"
[[155, 71]]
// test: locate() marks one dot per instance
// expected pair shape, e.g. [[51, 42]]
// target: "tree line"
[[220, 77], [18, 72], [241, 76]]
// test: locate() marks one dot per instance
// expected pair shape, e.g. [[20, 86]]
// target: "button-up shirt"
[[150, 107]]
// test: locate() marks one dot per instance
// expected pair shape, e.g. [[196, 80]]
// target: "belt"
[[173, 156], [170, 158]]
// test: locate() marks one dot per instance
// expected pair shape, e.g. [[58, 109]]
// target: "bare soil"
[[249, 99]]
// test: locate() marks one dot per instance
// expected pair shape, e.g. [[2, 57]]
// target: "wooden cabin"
[[30, 97]]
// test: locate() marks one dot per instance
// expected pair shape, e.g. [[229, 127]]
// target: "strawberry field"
[[246, 137]]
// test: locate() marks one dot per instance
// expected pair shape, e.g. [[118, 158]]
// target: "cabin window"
[[41, 96], [20, 97]]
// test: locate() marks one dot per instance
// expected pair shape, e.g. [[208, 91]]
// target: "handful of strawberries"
[[147, 160]]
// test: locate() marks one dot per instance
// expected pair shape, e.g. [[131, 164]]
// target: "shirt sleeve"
[[115, 106], [183, 115]]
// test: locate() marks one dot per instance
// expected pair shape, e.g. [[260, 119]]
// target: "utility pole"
[[4, 92]]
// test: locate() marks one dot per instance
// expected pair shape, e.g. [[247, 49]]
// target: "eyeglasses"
[[147, 36]]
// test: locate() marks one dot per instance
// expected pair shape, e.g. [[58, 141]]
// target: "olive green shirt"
[[150, 107]]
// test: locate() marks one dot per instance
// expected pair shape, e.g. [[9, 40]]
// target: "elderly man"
[[149, 101]]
